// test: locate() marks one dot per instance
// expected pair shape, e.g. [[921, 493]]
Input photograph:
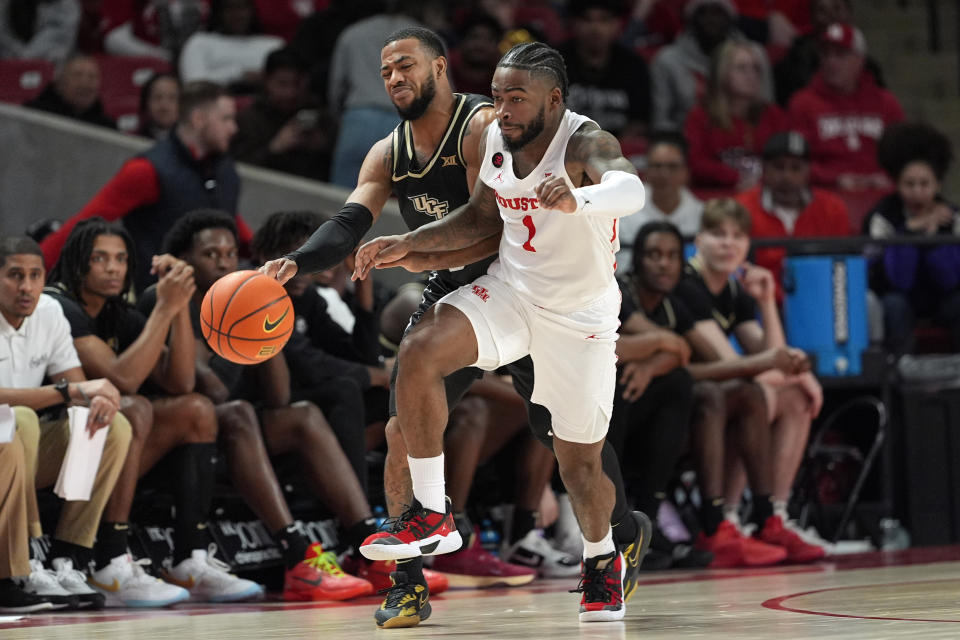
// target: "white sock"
[[780, 509], [429, 487], [604, 547]]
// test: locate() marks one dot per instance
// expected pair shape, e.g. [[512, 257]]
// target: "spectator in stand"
[[318, 34], [680, 70], [232, 50], [356, 94], [258, 420], [475, 57], [916, 281], [668, 198], [14, 540], [724, 304], [842, 114], [652, 23], [282, 17], [175, 428], [802, 60], [775, 23], [186, 170], [608, 82], [281, 130], [727, 131], [75, 93], [536, 17], [159, 106], [37, 348], [650, 424], [44, 29], [786, 205], [151, 28]]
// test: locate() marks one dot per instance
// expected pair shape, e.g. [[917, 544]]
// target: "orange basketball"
[[246, 317]]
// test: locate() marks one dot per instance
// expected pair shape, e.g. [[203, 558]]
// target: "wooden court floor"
[[911, 594]]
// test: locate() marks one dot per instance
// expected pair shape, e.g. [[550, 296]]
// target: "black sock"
[[524, 521], [196, 465], [711, 512], [413, 567], [293, 544], [354, 535], [625, 530], [111, 542], [80, 556], [762, 508], [621, 508]]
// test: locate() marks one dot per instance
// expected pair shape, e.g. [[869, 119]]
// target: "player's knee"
[[395, 442], [709, 398], [28, 426], [749, 397], [471, 412], [793, 401], [119, 435], [139, 412], [202, 420], [419, 353], [309, 418], [238, 421]]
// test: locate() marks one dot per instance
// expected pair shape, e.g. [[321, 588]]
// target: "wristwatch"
[[64, 388]]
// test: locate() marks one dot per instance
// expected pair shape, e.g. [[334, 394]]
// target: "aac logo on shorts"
[[480, 292]]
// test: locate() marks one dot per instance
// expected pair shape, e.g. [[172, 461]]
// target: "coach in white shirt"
[[35, 343]]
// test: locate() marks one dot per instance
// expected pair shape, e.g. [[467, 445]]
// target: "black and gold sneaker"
[[634, 552], [407, 603]]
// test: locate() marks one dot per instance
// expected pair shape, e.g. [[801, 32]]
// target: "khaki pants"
[[45, 444], [14, 543]]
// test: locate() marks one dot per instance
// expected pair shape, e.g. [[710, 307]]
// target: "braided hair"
[[540, 60], [73, 265]]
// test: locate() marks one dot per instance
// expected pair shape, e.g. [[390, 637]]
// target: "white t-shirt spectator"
[[42, 346], [685, 217], [224, 59]]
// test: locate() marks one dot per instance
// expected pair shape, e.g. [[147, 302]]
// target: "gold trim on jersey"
[[725, 322], [466, 121], [436, 153]]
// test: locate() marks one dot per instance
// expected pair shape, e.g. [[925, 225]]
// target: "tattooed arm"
[[608, 183]]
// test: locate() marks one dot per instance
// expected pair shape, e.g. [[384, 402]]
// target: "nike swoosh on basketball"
[[272, 326]]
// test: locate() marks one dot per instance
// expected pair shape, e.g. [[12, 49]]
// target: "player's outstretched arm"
[[336, 238]]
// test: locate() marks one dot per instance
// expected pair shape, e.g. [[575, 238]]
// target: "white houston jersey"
[[556, 260]]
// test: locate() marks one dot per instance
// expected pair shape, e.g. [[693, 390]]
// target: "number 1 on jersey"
[[528, 223]]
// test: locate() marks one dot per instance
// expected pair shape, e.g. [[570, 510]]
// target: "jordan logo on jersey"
[[430, 206]]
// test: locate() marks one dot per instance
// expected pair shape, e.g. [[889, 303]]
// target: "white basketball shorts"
[[574, 361]]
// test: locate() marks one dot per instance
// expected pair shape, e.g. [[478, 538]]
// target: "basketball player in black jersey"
[[431, 162]]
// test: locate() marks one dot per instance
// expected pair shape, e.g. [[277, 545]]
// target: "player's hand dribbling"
[[281, 269], [379, 252], [555, 193]]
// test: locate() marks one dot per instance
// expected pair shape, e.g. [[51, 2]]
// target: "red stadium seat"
[[122, 78], [23, 80]]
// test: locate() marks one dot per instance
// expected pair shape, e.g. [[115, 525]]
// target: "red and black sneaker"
[[419, 531], [602, 587]]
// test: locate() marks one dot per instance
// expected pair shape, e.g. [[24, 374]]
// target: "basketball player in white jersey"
[[555, 185]]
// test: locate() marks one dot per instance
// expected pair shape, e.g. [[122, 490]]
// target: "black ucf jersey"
[[429, 193]]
